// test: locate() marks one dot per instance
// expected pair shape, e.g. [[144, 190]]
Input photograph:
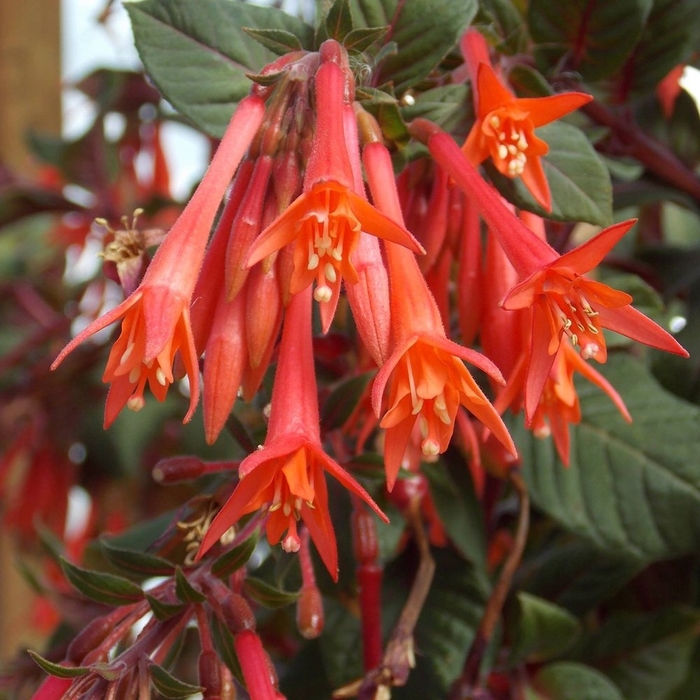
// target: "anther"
[[430, 448], [160, 376], [313, 262], [135, 403], [323, 294], [495, 122], [330, 272], [135, 374]]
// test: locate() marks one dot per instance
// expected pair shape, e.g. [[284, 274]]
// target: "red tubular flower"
[[425, 374], [563, 299], [559, 406], [286, 475], [326, 221], [156, 317], [505, 130]]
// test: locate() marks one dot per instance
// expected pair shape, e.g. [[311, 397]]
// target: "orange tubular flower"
[[286, 475], [326, 221], [505, 130], [156, 317], [425, 374], [559, 406], [563, 299]]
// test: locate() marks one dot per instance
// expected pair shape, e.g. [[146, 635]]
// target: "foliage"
[[569, 570]]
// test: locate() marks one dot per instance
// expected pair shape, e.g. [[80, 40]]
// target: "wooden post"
[[30, 75], [30, 98]]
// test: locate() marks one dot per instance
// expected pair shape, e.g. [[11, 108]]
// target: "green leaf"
[[574, 574], [58, 670], [447, 106], [540, 630], [223, 643], [169, 686], [425, 31], [449, 619], [647, 655], [339, 21], [101, 587], [162, 610], [267, 595], [343, 400], [578, 179], [278, 41], [235, 558], [185, 591], [590, 37], [670, 36], [138, 564], [198, 54], [573, 681], [459, 511], [361, 39], [385, 109], [507, 26], [632, 489]]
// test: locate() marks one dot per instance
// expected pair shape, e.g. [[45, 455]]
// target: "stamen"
[[495, 122], [134, 374], [544, 431], [313, 262], [502, 151], [160, 376], [323, 294], [589, 350], [430, 448], [135, 403], [330, 272], [127, 354], [423, 425]]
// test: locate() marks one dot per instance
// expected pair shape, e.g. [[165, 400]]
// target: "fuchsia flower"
[[425, 375], [156, 317], [326, 221], [563, 299], [286, 475], [505, 125]]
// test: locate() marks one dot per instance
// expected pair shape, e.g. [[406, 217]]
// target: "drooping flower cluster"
[[298, 224]]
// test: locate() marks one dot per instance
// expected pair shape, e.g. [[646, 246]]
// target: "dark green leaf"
[[572, 681], [235, 558], [648, 655], [689, 689], [198, 53], [576, 575], [447, 106], [169, 686], [162, 610], [58, 670], [507, 25], [449, 619], [540, 630], [101, 587], [424, 31], [339, 21], [343, 400], [590, 37], [138, 564], [278, 41], [361, 39], [578, 178], [385, 110], [671, 35], [459, 511], [266, 594], [528, 82], [185, 591], [632, 489], [223, 642]]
